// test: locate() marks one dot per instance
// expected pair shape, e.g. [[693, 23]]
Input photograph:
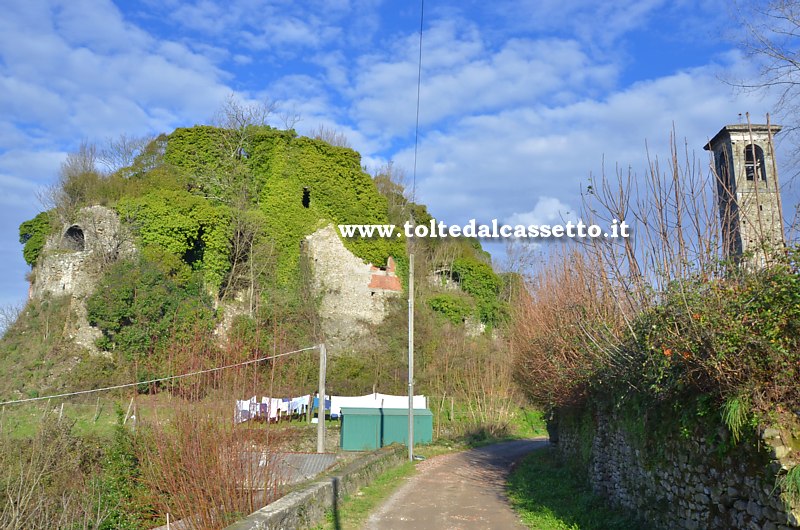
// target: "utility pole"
[[323, 366], [411, 357]]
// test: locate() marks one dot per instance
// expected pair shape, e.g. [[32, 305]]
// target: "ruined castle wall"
[[73, 261], [353, 294]]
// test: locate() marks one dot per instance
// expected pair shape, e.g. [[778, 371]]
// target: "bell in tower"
[[747, 192]]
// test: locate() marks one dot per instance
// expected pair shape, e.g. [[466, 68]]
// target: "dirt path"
[[458, 491]]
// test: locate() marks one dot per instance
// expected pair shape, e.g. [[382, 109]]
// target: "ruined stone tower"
[[747, 192]]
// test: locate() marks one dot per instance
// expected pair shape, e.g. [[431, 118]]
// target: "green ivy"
[[185, 225], [33, 234], [453, 307], [278, 167], [478, 279]]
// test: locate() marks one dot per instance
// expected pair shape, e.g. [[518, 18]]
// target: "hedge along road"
[[457, 491]]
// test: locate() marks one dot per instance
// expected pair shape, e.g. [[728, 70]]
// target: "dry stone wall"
[[689, 485]]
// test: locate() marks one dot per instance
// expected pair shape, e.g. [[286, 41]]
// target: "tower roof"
[[741, 128]]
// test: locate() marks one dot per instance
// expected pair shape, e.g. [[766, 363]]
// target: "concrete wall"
[[690, 485], [306, 508]]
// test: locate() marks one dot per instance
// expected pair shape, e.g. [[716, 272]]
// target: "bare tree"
[[238, 119], [122, 152], [252, 256], [9, 313], [289, 118], [331, 136], [772, 37], [237, 122], [390, 180], [77, 181], [84, 160]]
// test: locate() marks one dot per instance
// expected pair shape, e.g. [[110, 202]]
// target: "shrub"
[[33, 234], [455, 308], [143, 310]]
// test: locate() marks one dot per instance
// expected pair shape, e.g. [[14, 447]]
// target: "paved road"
[[457, 491]]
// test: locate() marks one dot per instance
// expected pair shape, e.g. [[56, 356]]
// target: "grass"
[[524, 423], [550, 495], [529, 423], [790, 484], [89, 417], [22, 421], [354, 510], [735, 412]]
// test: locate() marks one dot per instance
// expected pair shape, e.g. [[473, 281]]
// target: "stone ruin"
[[354, 295], [72, 262]]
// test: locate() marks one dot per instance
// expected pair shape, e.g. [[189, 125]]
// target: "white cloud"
[[75, 70], [462, 75], [548, 210], [590, 21], [96, 25], [520, 99], [493, 165], [97, 75]]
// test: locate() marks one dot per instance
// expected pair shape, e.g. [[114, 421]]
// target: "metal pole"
[[323, 366], [411, 357]]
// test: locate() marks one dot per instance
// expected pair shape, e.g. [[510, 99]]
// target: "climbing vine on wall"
[[478, 279], [185, 225], [280, 169], [455, 308]]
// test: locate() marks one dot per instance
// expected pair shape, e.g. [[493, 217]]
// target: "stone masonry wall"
[[72, 262], [689, 486], [353, 294]]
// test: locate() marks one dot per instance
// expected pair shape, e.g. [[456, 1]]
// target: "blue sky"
[[520, 100]]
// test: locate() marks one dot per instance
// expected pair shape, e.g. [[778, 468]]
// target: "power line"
[[158, 380], [419, 83]]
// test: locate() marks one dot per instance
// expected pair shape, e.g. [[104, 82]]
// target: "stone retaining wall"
[[305, 508], [688, 486]]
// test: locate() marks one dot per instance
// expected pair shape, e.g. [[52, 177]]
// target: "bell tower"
[[747, 192]]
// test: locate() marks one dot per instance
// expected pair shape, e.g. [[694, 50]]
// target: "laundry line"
[[273, 409]]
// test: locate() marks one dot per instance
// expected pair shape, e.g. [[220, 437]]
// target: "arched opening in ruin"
[[73, 239]]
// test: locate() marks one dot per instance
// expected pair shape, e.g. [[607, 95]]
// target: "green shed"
[[365, 429]]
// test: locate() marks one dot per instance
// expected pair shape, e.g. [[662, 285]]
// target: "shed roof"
[[368, 411]]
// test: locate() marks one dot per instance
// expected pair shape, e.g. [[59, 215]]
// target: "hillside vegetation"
[[218, 215], [664, 330]]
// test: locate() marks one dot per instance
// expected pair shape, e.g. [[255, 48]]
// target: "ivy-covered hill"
[[190, 192], [220, 214], [296, 184]]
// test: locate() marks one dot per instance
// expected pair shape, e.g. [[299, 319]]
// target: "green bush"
[[728, 337], [122, 493], [141, 309], [456, 308], [33, 234], [184, 225], [479, 279]]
